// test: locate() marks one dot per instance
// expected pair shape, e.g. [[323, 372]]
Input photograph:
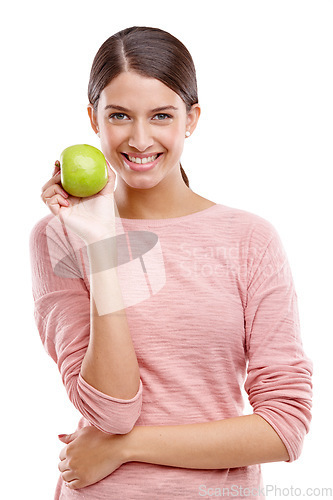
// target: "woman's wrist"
[[130, 448], [115, 446], [102, 254], [104, 281]]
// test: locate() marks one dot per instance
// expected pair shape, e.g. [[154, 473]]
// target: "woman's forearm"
[[110, 363], [229, 443]]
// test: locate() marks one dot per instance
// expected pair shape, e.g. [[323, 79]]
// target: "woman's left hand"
[[90, 455]]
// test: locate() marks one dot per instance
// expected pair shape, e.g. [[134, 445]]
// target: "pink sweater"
[[226, 316]]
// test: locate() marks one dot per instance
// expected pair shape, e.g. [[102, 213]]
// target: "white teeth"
[[149, 159]]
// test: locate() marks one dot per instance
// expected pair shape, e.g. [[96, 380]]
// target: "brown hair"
[[149, 52]]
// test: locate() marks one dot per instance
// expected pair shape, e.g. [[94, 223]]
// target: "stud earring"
[[98, 135], [187, 133]]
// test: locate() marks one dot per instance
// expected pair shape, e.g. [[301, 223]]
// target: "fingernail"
[[61, 435]]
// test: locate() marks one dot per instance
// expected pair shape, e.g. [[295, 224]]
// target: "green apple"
[[83, 170]]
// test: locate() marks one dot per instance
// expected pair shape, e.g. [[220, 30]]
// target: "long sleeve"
[[226, 314], [279, 373], [62, 315]]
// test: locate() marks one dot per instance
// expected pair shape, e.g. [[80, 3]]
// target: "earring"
[[187, 133], [98, 135]]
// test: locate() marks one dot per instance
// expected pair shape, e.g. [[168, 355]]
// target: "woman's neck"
[[163, 201]]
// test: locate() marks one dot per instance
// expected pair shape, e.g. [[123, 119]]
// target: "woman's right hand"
[[91, 218]]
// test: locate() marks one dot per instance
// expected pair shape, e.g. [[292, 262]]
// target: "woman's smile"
[[141, 162]]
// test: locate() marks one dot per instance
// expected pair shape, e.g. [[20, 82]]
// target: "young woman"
[[157, 375]]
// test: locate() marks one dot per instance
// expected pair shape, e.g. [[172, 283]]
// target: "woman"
[[158, 378]]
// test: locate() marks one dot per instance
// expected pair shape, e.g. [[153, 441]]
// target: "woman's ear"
[[93, 118], [193, 117]]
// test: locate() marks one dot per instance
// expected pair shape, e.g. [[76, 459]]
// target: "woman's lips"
[[141, 167]]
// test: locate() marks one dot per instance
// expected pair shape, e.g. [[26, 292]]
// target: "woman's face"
[[142, 125]]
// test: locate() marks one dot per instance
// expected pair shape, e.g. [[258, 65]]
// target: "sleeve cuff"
[[100, 394], [266, 416], [107, 413]]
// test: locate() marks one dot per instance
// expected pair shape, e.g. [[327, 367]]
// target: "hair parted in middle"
[[150, 52]]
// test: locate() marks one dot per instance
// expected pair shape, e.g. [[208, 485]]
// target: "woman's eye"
[[162, 116], [117, 116]]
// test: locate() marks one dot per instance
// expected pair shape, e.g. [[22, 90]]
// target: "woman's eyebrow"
[[155, 110], [118, 108], [164, 108]]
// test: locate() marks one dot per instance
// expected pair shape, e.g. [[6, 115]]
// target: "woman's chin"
[[144, 182]]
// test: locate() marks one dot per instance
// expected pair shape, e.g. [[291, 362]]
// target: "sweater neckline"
[[172, 220]]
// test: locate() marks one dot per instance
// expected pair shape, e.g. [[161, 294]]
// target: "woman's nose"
[[140, 137]]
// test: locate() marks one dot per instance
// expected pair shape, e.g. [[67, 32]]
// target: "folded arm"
[[228, 443], [235, 442]]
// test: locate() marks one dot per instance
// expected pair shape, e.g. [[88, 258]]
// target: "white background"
[[263, 144]]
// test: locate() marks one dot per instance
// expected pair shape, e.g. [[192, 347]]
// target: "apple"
[[83, 170]]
